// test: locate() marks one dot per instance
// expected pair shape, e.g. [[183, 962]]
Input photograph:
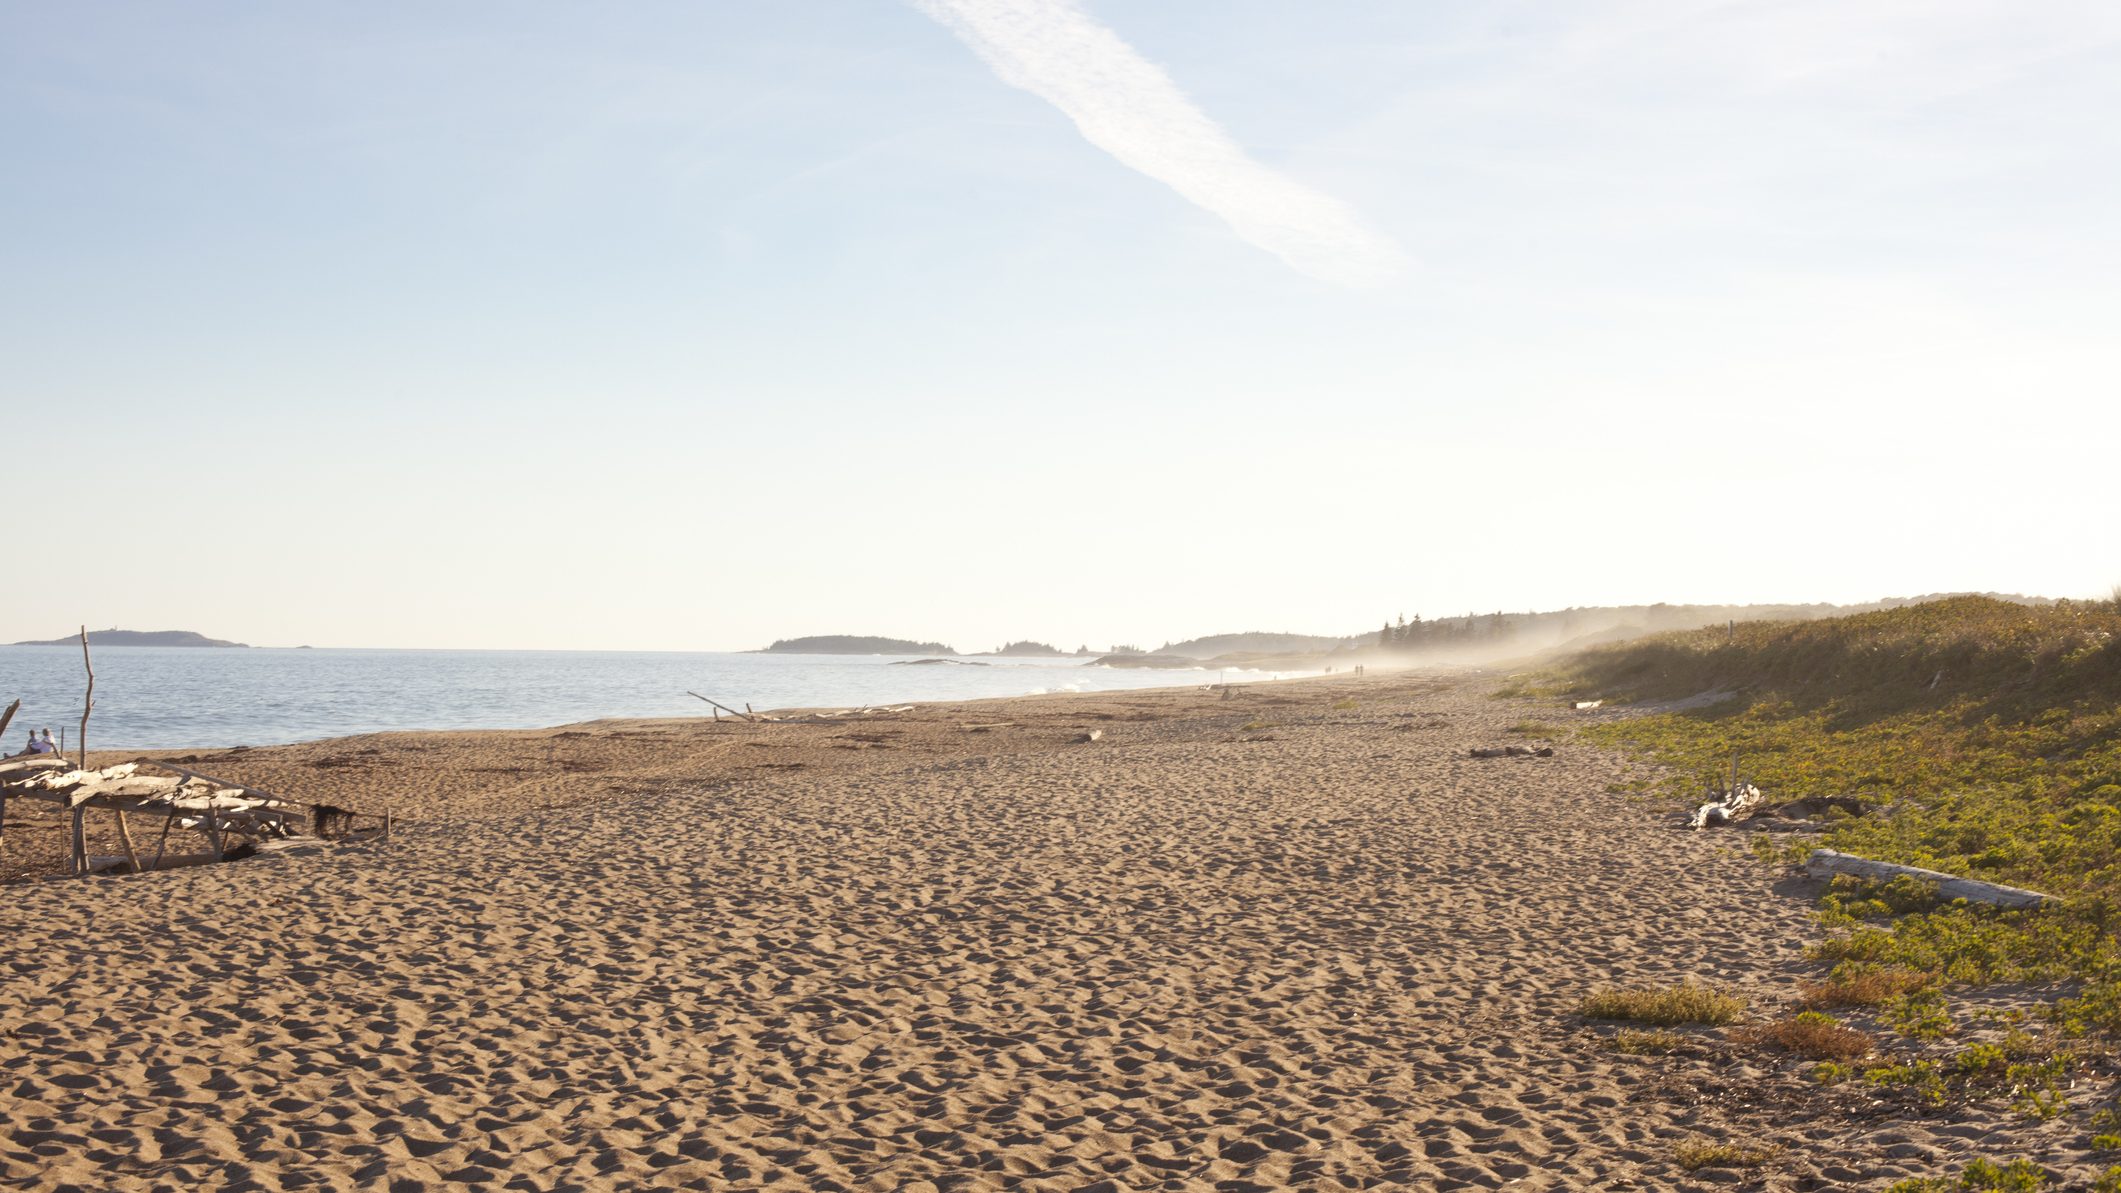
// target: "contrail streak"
[[1126, 106]]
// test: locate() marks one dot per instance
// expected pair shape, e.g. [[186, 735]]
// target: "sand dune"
[[1203, 953]]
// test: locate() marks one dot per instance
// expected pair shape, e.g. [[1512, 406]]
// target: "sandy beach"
[[1296, 938]]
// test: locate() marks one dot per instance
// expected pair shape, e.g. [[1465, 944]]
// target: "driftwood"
[[1586, 705], [1826, 863], [723, 707], [813, 718], [6, 717], [1513, 752], [1726, 807], [15, 769], [102, 864], [88, 702], [1093, 735]]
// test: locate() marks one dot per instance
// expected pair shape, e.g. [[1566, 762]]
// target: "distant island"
[[852, 644], [136, 638], [1028, 649]]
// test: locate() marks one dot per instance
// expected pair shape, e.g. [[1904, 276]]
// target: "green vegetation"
[[1993, 730], [1665, 1006], [1694, 1155], [1346, 704], [1978, 737], [1969, 735], [1981, 1176]]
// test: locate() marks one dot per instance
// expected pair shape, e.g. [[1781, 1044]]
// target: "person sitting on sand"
[[49, 746], [34, 746]]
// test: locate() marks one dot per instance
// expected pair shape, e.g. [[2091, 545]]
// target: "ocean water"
[[184, 697]]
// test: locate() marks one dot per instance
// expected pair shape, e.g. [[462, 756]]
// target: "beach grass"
[[1980, 1176], [1693, 1155], [1810, 1034], [1664, 1006]]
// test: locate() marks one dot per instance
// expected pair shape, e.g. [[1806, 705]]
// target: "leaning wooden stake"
[[725, 708], [126, 835], [168, 822], [80, 845], [5, 717]]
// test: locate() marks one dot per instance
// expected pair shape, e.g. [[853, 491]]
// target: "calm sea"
[[176, 698]]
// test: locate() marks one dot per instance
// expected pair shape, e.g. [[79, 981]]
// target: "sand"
[[1246, 944]]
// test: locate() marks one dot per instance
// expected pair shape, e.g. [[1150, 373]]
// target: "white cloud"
[[1126, 106]]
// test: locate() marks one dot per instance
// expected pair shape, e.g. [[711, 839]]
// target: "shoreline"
[[57, 703]]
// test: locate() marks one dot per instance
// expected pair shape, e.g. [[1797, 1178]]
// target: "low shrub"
[[1694, 1155], [1687, 1002], [1810, 1035], [1980, 1176], [1860, 984]]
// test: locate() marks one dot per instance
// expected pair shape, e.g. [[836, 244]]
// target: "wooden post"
[[126, 835], [213, 833], [88, 701], [5, 717], [80, 845]]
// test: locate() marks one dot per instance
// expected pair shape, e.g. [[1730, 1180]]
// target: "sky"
[[696, 325]]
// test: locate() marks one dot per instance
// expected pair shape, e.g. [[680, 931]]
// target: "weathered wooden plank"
[[15, 770], [1826, 863]]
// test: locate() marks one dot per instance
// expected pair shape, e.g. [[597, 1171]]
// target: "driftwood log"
[[1826, 863], [1513, 752], [720, 706]]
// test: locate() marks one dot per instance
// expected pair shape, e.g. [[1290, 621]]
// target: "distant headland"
[[851, 644], [136, 638]]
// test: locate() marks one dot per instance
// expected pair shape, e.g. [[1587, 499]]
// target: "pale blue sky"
[[695, 325]]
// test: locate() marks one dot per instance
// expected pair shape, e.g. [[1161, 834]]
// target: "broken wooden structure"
[[235, 818], [1726, 807]]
